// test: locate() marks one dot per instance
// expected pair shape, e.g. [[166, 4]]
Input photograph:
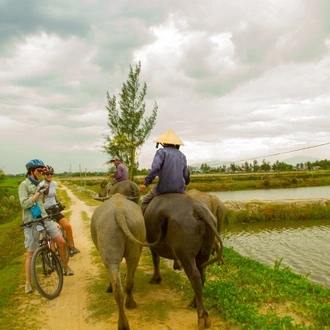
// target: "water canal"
[[304, 246]]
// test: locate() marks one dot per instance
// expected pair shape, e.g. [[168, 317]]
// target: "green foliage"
[[11, 241], [205, 168], [246, 292], [2, 175], [9, 203], [264, 212], [260, 180], [129, 129]]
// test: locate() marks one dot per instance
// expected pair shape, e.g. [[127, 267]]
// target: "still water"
[[274, 194], [303, 245]]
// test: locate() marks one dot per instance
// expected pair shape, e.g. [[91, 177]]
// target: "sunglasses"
[[49, 174], [39, 170]]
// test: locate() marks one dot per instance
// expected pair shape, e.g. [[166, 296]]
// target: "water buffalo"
[[213, 203], [118, 231], [189, 229], [127, 188]]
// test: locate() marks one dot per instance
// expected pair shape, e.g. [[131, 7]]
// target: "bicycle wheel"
[[47, 272]]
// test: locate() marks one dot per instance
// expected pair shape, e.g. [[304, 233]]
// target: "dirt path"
[[70, 311]]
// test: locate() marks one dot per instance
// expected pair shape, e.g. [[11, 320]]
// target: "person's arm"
[[26, 201], [120, 172], [155, 167], [186, 173]]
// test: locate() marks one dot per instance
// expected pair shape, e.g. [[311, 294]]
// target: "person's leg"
[[28, 259], [69, 235], [31, 237], [68, 229], [28, 287], [147, 199], [61, 248], [56, 235]]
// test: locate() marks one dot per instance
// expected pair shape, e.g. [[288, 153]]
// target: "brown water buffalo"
[[118, 231], [213, 203], [127, 188], [189, 229]]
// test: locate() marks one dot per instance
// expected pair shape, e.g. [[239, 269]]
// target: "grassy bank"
[[256, 211], [231, 182]]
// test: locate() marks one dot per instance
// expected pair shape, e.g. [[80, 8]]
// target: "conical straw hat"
[[169, 137]]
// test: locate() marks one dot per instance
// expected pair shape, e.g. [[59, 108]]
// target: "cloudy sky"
[[235, 80]]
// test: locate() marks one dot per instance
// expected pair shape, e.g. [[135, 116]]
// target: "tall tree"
[[128, 127]]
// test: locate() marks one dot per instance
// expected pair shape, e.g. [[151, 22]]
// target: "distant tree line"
[[263, 167]]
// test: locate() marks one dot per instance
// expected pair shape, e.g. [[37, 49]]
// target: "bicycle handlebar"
[[49, 217], [36, 220]]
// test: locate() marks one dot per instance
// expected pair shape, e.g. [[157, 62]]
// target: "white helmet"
[[169, 137]]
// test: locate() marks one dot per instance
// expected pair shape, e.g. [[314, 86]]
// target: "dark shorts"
[[56, 213]]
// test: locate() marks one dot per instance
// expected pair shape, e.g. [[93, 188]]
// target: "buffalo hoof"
[[123, 327], [156, 280], [204, 320], [177, 265], [130, 304], [192, 304]]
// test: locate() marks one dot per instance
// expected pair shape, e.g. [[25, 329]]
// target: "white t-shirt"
[[50, 198]]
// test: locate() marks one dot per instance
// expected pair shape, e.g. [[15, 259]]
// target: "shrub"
[[9, 206]]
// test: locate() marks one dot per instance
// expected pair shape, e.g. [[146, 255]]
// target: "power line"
[[286, 152]]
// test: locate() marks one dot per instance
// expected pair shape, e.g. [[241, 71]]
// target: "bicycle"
[[46, 265]]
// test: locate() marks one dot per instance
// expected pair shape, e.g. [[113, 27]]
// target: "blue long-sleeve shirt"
[[170, 165]]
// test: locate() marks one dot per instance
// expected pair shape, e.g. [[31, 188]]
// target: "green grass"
[[253, 296], [264, 212]]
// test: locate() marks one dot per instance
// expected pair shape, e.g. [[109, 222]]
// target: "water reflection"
[[274, 194], [304, 246]]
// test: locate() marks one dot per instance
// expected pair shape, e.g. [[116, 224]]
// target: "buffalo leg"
[[131, 265], [195, 278], [114, 273], [109, 288], [157, 277]]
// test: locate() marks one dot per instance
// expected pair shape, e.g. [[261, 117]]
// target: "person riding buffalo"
[[170, 165], [121, 172]]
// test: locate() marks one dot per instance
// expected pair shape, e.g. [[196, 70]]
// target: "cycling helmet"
[[34, 163], [49, 169]]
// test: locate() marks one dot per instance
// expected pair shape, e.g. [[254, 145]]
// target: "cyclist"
[[51, 206], [30, 195]]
